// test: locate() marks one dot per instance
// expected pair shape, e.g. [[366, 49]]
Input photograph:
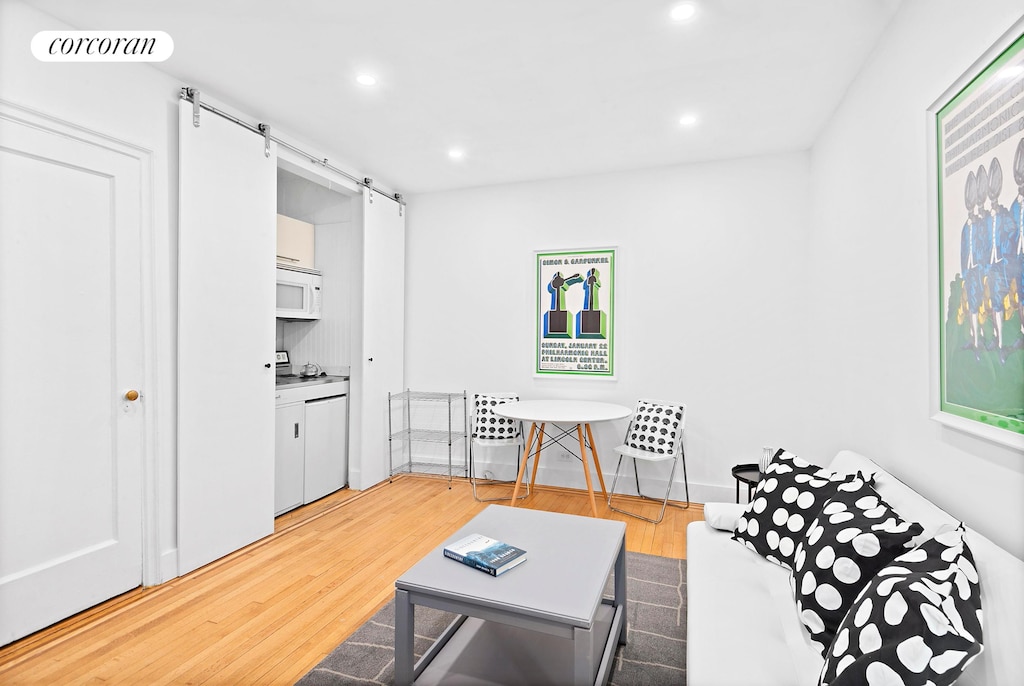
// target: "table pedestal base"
[[586, 445]]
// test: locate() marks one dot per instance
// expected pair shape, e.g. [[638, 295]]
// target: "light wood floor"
[[269, 612]]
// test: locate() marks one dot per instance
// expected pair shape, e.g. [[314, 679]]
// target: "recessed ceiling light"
[[366, 80], [684, 12], [456, 154], [688, 120]]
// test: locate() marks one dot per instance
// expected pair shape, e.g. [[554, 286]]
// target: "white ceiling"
[[529, 89]]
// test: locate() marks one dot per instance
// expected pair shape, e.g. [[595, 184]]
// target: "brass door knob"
[[131, 395]]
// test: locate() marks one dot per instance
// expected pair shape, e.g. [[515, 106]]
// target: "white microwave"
[[298, 293]]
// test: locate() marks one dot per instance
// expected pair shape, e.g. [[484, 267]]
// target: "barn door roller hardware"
[[192, 94], [265, 130]]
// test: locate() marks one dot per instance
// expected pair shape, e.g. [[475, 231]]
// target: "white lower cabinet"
[[311, 455], [289, 454]]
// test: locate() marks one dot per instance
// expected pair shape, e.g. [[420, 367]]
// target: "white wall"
[[869, 251], [710, 307]]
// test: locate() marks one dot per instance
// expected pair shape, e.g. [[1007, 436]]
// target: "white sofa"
[[742, 622]]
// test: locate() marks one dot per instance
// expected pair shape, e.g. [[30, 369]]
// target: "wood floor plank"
[[268, 613]]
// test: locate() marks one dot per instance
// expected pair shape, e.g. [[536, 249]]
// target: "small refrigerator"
[[326, 447]]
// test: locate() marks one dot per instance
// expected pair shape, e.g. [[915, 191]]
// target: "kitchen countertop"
[[302, 389], [292, 380]]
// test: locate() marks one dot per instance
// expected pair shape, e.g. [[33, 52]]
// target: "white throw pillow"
[[654, 428], [489, 426], [723, 516]]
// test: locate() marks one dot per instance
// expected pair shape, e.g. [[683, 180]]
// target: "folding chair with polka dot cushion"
[[490, 430], [655, 434]]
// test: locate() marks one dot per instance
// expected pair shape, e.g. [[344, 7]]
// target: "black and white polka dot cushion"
[[918, 621], [488, 426], [855, 534], [655, 428], [787, 498]]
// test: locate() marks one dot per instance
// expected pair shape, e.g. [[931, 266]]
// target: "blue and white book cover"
[[485, 553]]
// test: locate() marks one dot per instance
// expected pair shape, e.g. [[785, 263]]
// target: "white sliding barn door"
[[381, 364], [226, 291], [71, 444]]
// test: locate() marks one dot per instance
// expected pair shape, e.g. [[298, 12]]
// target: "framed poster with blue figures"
[[977, 210], [575, 314]]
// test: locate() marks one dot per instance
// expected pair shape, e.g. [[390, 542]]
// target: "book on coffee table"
[[486, 554]]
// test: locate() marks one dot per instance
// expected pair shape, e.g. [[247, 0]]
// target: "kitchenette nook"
[[313, 316]]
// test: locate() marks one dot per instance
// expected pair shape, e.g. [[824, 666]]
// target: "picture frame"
[[575, 313], [976, 204]]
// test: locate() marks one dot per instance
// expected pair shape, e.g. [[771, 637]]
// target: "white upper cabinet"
[[295, 243]]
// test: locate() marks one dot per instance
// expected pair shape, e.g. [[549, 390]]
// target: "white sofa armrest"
[[723, 516]]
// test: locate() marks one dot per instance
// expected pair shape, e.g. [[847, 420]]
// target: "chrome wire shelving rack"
[[424, 432]]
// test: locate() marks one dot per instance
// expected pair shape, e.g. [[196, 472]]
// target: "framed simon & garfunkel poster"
[[575, 314]]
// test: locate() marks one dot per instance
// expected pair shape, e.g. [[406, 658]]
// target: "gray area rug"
[[654, 655]]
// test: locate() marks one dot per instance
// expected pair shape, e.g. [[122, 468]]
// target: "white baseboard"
[[168, 565], [569, 474]]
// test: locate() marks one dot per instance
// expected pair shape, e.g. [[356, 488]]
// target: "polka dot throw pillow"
[[855, 534], [788, 496], [917, 622], [654, 428], [489, 426]]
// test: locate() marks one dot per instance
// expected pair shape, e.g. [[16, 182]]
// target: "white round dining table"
[[569, 416]]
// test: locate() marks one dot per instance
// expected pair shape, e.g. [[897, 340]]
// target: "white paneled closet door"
[[381, 364], [71, 348], [227, 223]]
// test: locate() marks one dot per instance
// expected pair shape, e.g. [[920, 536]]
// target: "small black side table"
[[749, 474]]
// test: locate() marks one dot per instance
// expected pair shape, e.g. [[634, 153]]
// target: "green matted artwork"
[[978, 177], [575, 320]]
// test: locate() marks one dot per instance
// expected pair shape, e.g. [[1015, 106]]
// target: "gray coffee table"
[[546, 621]]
